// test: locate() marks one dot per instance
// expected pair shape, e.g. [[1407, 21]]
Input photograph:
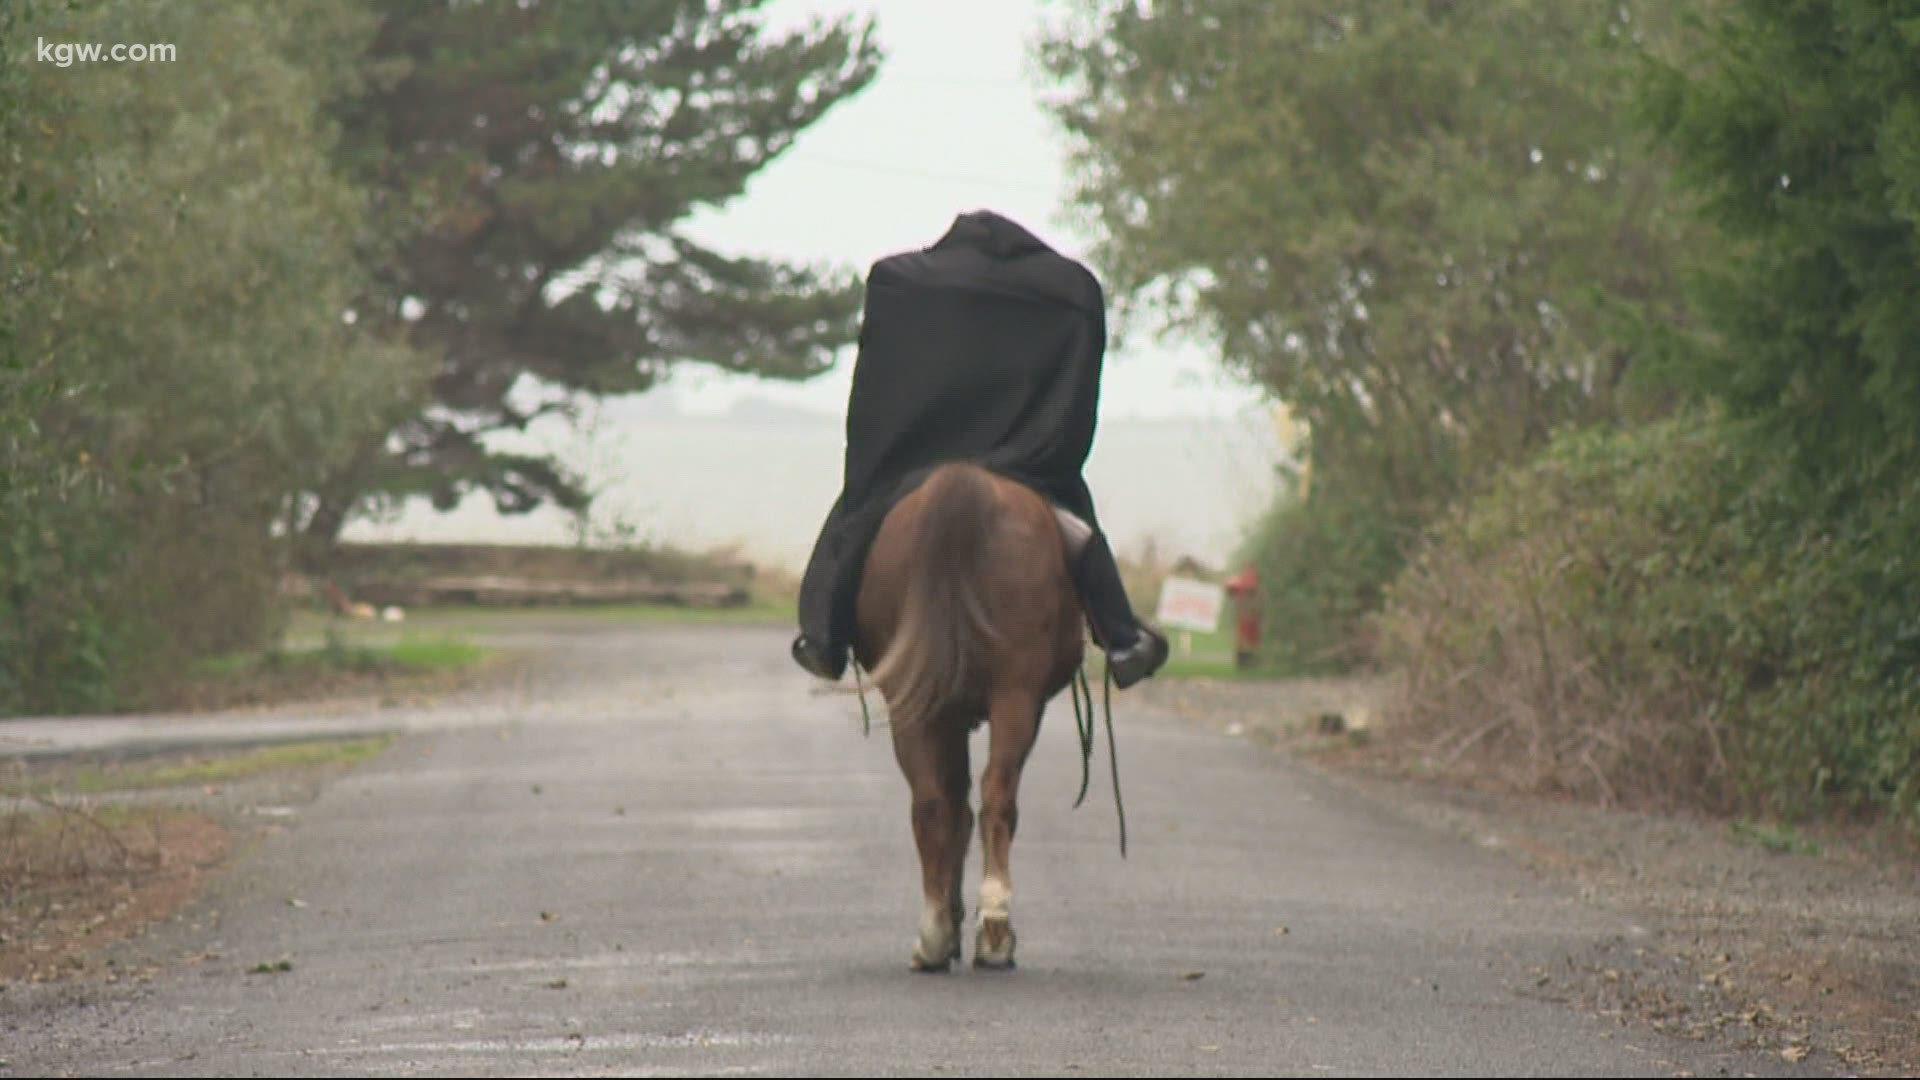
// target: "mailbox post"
[[1244, 587]]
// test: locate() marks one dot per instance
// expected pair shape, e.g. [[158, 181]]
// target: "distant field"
[[764, 482], [639, 581]]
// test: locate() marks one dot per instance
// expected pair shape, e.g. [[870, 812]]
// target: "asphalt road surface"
[[662, 852]]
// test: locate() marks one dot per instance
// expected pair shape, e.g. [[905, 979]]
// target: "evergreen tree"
[[536, 164]]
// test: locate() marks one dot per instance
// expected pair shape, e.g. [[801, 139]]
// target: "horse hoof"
[[993, 948], [920, 962], [926, 967]]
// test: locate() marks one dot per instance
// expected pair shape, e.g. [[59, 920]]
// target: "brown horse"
[[967, 613]]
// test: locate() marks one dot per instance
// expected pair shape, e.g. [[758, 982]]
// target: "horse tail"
[[940, 646]]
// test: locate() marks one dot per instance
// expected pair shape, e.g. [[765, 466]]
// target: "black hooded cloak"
[[985, 347]]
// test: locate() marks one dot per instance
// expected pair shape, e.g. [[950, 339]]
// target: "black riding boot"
[[821, 648], [820, 660], [1133, 650]]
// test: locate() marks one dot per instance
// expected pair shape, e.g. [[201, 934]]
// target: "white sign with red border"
[[1190, 605]]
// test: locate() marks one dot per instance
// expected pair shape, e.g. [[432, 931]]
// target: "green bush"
[[176, 255], [55, 569], [1323, 564], [1670, 616]]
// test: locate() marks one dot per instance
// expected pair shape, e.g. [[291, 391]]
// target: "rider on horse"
[[985, 347]]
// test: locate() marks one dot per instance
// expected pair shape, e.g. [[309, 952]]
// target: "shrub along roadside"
[[1668, 616], [176, 254], [1323, 564]]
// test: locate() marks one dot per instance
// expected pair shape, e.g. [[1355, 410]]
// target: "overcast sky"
[[952, 123]]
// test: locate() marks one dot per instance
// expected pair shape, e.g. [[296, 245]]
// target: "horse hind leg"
[[956, 872], [941, 862], [953, 862], [1015, 721], [935, 764]]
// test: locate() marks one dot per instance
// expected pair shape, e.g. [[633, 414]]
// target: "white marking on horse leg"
[[938, 944], [996, 899], [993, 942]]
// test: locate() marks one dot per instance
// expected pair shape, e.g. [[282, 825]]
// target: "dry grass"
[[1504, 689], [75, 875], [93, 850]]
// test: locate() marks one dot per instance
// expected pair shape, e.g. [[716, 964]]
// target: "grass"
[[1203, 667], [1779, 839], [321, 655], [48, 822], [96, 778], [1204, 655], [336, 654], [319, 663], [444, 654]]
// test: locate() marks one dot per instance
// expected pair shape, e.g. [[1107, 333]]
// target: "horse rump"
[[943, 633]]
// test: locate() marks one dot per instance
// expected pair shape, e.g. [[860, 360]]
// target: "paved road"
[[662, 854]]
